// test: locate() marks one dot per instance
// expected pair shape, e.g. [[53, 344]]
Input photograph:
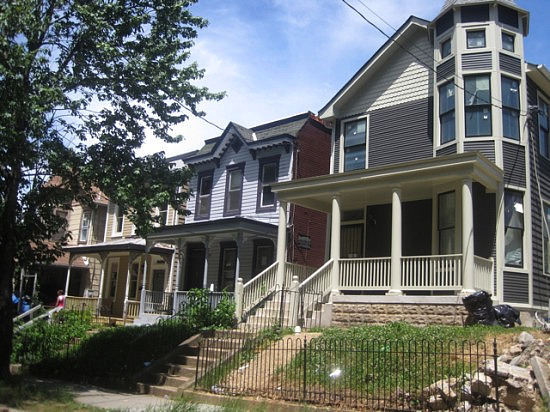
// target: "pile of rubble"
[[522, 377]]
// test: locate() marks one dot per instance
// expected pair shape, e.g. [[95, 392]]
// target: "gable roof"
[[390, 47], [277, 132]]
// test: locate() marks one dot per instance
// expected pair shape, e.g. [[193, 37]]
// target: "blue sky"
[[276, 58]]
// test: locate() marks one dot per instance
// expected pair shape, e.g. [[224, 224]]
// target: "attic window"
[[236, 144], [474, 13], [508, 16]]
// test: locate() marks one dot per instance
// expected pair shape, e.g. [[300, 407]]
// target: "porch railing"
[[158, 303], [81, 303], [132, 308], [181, 298], [431, 272], [259, 287], [365, 273], [293, 269], [320, 281], [483, 274]]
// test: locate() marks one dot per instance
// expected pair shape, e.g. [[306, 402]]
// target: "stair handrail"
[[27, 313], [319, 281], [259, 287]]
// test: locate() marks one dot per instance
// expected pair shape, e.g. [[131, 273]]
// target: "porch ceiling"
[[417, 179], [196, 231]]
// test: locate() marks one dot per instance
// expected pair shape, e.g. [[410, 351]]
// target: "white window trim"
[[115, 223], [343, 123], [451, 54], [89, 214]]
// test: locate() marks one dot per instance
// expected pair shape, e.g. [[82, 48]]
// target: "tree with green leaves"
[[81, 83]]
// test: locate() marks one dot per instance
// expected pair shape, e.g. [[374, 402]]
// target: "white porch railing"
[[365, 273], [181, 298], [431, 272], [158, 303], [132, 308], [320, 281], [483, 274], [293, 269], [259, 287]]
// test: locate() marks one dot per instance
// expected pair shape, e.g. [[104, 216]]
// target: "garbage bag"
[[507, 316], [480, 309]]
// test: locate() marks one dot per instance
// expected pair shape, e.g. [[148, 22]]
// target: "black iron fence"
[[363, 374]]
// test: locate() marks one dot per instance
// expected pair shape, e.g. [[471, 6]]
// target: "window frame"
[[162, 213], [199, 199], [442, 45], [344, 124], [508, 226], [259, 199], [506, 108], [541, 129], [469, 32], [512, 36], [118, 220], [86, 217], [477, 106], [228, 171], [451, 111]]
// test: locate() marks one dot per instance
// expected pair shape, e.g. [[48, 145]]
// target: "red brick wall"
[[312, 158]]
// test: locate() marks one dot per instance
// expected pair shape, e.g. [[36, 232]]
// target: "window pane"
[[446, 97], [476, 39], [545, 236], [448, 127], [514, 247], [235, 179], [234, 200], [355, 133], [544, 144], [514, 209], [477, 90], [508, 42], [204, 205], [447, 241], [269, 173], [446, 210], [268, 197], [445, 48], [510, 92], [206, 185], [478, 121], [354, 158], [510, 123]]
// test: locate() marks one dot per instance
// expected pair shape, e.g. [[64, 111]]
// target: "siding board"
[[516, 287], [510, 64], [514, 164], [486, 147], [448, 150], [477, 61], [446, 70]]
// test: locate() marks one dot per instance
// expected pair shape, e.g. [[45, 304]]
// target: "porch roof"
[[417, 180], [195, 230], [119, 245]]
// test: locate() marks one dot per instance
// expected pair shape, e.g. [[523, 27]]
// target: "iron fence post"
[[305, 368], [495, 359]]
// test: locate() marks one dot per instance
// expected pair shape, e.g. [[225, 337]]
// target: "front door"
[[263, 255], [228, 266], [194, 268]]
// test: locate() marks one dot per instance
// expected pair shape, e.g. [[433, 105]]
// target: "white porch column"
[[335, 242], [104, 260], [205, 271], [131, 258], [239, 243], [143, 281], [396, 242], [467, 238], [68, 275], [281, 244]]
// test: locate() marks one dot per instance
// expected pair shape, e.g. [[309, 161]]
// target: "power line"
[[204, 119], [429, 67]]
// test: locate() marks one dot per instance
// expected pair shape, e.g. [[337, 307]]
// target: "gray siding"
[[516, 287], [541, 282], [510, 64], [487, 148], [448, 150], [477, 61], [401, 133], [514, 164], [445, 71]]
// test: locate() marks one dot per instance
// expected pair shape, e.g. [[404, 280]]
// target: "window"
[[63, 229], [546, 237], [163, 214], [85, 224], [113, 279], [355, 139], [477, 96], [544, 143], [513, 235], [118, 221], [446, 223], [510, 108], [132, 290], [233, 190], [447, 112], [268, 174], [204, 195], [446, 48], [475, 39], [444, 23], [508, 42]]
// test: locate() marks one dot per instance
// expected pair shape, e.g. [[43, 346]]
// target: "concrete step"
[[162, 391], [178, 381]]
